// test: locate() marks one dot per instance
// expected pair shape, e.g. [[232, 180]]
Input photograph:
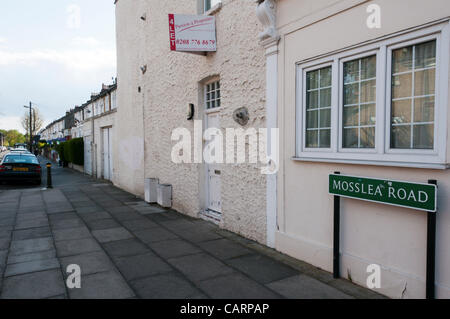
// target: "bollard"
[[49, 175]]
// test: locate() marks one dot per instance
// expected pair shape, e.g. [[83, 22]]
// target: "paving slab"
[[89, 209], [3, 255], [197, 236], [67, 223], [32, 223], [89, 263], [174, 248], [141, 223], [105, 285], [112, 234], [72, 233], [31, 266], [37, 285], [123, 216], [236, 286], [225, 248], [5, 233], [148, 210], [140, 266], [127, 247], [200, 266], [154, 235], [83, 203], [62, 216], [165, 286], [261, 268], [102, 224], [20, 247], [95, 216], [39, 232], [76, 246], [305, 287], [4, 243], [22, 217], [9, 221], [14, 259]]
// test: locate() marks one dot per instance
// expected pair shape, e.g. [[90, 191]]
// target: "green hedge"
[[72, 151]]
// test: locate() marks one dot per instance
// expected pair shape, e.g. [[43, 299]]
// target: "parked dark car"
[[20, 167]]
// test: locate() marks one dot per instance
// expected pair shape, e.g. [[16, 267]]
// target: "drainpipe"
[[269, 38]]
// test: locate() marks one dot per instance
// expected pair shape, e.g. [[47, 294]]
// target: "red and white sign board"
[[192, 33]]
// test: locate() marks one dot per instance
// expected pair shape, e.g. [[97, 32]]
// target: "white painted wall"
[[394, 238], [172, 81]]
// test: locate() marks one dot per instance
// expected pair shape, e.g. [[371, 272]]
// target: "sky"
[[54, 53]]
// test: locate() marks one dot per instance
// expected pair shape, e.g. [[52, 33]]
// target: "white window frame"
[[205, 92], [382, 154]]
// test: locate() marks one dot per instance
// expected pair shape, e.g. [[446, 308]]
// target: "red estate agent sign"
[[191, 33]]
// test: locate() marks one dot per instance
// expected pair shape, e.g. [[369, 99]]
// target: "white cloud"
[[74, 60], [3, 40], [10, 123], [85, 42]]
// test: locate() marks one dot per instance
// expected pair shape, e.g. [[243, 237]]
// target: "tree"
[[12, 137], [36, 121]]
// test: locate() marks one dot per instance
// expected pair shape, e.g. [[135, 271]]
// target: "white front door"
[[107, 153], [214, 201]]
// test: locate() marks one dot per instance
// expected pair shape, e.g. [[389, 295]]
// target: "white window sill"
[[214, 9], [373, 162]]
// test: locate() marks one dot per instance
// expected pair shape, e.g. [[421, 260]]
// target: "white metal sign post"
[[192, 33]]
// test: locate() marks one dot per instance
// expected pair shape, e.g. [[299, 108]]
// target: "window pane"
[[351, 94], [351, 71], [367, 137], [325, 118], [312, 119], [311, 139], [325, 98], [312, 80], [402, 60], [368, 114], [425, 55], [325, 77], [424, 82], [325, 137], [350, 139], [312, 100], [401, 136], [418, 108], [423, 136], [401, 111], [318, 104], [369, 68], [368, 91], [351, 116], [424, 109], [402, 86], [362, 96]]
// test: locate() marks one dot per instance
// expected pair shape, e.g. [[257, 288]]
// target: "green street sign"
[[404, 194]]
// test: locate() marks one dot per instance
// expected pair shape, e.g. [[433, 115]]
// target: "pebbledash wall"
[[155, 102], [392, 237]]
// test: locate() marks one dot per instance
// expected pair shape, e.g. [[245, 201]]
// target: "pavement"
[[126, 248]]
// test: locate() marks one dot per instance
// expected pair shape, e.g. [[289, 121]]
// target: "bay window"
[[382, 103]]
